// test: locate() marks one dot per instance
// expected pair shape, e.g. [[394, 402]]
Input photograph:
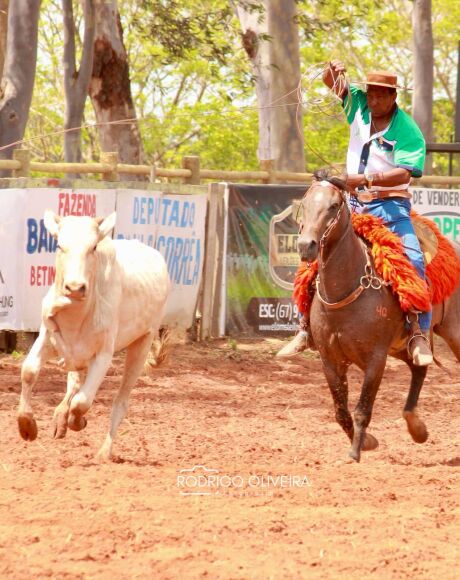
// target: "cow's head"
[[77, 240]]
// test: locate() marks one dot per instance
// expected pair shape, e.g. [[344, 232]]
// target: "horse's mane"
[[326, 174]]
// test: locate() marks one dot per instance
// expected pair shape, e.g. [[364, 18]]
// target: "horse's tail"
[[160, 350], [439, 364]]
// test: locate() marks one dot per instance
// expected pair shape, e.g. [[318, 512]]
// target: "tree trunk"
[[422, 97], [3, 32], [76, 82], [276, 66], [18, 73], [110, 88]]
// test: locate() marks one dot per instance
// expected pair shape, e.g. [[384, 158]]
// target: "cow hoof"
[[27, 427], [416, 426], [76, 422], [59, 427], [370, 443]]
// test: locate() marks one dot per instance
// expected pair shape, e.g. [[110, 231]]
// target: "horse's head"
[[319, 209]]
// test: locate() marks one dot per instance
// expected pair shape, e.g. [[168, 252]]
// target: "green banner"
[[261, 259]]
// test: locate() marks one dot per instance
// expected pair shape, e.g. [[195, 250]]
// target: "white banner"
[[35, 253], [12, 202], [440, 205], [175, 226]]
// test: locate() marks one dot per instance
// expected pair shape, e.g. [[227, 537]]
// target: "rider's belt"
[[368, 196]]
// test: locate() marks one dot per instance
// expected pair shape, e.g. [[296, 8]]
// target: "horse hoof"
[[370, 443], [355, 455], [416, 427], [59, 428], [76, 422], [27, 427]]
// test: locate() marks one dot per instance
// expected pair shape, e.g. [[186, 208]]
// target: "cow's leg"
[[61, 413], [40, 352], [415, 425], [363, 411], [136, 355], [82, 401]]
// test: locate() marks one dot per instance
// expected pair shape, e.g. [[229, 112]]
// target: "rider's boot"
[[301, 341], [418, 345]]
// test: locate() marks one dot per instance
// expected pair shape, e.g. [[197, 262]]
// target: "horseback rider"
[[386, 148]]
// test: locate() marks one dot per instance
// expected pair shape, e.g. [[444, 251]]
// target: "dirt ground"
[[285, 501]]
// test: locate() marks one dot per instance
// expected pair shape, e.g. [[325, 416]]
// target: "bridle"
[[369, 279]]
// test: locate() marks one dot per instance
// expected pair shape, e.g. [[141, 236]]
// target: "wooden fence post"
[[192, 162], [268, 165], [23, 156], [213, 262], [110, 158]]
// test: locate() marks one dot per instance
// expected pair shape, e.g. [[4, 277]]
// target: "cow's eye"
[[95, 248]]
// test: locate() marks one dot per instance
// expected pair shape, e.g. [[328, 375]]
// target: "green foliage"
[[193, 86]]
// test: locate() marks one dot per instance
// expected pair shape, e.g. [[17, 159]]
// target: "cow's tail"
[[160, 350]]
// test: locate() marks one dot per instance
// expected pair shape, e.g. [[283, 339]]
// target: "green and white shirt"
[[401, 144]]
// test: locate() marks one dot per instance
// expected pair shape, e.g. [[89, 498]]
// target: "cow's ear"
[[106, 225], [52, 222]]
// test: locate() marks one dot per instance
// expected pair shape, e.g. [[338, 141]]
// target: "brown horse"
[[354, 324]]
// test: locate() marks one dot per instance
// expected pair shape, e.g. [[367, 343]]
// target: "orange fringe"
[[444, 270], [394, 267]]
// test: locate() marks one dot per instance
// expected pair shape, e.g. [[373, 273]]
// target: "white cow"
[[107, 295]]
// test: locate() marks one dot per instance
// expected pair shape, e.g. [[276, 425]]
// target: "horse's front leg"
[[336, 376], [362, 441], [82, 401], [40, 352]]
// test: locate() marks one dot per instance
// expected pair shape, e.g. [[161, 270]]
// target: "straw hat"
[[382, 79]]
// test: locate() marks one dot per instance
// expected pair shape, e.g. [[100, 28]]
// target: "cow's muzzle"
[[76, 291]]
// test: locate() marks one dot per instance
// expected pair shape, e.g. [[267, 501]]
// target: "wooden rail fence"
[[110, 169]]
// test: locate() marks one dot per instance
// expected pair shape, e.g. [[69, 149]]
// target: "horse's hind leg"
[[363, 411], [415, 425], [136, 355], [449, 328]]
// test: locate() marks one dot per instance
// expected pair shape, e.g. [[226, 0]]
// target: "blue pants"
[[395, 212]]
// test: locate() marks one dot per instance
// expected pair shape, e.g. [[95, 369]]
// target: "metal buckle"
[[366, 196]]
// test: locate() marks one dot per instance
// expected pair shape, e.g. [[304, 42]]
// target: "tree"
[[3, 32], [422, 99], [271, 39], [76, 81], [110, 89], [18, 72]]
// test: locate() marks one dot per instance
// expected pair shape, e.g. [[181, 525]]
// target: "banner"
[[175, 226], [261, 259], [12, 202], [442, 206]]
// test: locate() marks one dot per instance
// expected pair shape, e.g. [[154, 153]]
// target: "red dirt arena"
[[285, 502]]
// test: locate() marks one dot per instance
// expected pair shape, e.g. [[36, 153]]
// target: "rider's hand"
[[337, 67], [331, 77], [354, 180]]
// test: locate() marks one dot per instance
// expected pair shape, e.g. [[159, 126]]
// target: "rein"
[[367, 280]]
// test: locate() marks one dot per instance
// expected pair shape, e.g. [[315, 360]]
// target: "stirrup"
[[421, 354]]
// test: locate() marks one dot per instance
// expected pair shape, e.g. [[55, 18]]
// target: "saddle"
[[427, 240]]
